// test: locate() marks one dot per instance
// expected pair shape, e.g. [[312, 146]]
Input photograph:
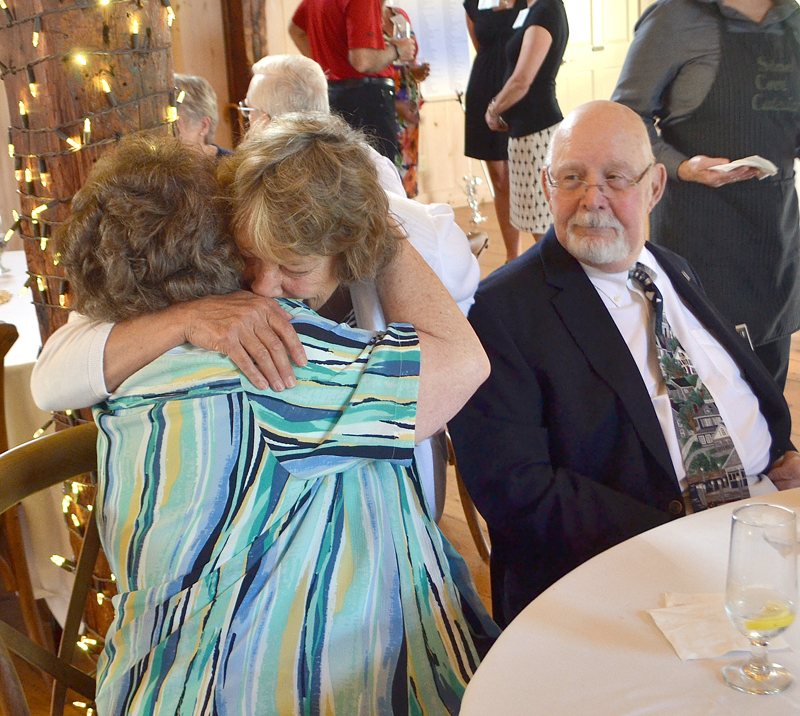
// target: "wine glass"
[[401, 30], [761, 593]]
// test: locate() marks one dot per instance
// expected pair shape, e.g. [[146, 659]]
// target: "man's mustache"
[[594, 220]]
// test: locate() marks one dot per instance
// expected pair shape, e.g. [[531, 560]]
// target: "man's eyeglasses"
[[246, 113], [614, 183]]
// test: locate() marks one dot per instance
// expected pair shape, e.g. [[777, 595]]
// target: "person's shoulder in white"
[[388, 175], [433, 232], [69, 371]]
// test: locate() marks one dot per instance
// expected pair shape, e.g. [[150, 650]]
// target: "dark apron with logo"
[[743, 238]]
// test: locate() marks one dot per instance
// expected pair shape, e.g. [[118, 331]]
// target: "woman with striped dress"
[[273, 550]]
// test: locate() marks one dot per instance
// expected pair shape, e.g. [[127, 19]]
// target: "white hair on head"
[[199, 101], [289, 83]]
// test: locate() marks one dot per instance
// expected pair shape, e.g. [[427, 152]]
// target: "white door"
[[600, 32]]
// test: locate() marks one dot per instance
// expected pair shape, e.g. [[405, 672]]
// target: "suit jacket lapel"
[[594, 331]]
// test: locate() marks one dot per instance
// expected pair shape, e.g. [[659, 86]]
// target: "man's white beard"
[[594, 250]]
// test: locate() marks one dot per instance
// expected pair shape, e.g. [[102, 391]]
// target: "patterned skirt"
[[526, 159]]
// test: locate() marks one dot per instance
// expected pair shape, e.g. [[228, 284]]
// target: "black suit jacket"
[[560, 448]]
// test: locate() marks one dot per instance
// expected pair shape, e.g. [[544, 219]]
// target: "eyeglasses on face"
[[614, 183], [247, 113]]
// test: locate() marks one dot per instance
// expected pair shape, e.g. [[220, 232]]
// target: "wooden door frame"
[[245, 37]]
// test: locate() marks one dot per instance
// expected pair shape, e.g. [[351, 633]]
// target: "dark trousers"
[[775, 357], [368, 106]]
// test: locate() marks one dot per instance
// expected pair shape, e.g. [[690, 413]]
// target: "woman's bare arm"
[[254, 331], [454, 363], [536, 43], [471, 31]]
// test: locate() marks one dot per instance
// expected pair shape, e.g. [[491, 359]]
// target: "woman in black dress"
[[490, 30], [526, 107]]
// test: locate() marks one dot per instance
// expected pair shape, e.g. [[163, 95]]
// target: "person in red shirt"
[[346, 38]]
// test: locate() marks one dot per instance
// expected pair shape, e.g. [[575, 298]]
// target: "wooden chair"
[[13, 564], [470, 511], [8, 336], [25, 470]]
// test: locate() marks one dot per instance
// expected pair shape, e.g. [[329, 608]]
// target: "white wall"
[[198, 49]]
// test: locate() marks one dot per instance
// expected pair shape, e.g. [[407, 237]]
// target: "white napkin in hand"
[[765, 167], [698, 627]]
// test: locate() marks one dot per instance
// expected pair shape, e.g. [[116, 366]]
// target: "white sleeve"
[[69, 371], [432, 230], [388, 175]]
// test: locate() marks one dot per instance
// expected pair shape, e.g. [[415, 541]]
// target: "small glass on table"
[[761, 592]]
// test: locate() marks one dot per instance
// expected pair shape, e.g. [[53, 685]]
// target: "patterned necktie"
[[713, 469]]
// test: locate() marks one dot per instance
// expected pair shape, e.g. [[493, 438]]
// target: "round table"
[[23, 418], [587, 647]]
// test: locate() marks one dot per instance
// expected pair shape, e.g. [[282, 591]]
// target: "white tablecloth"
[[587, 647], [23, 418], [44, 529]]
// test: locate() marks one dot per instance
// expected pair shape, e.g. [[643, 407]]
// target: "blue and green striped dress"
[[273, 551]]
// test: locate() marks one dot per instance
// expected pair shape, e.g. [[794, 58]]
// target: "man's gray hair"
[[291, 83], [199, 101]]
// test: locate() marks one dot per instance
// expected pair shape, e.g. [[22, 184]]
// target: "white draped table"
[[23, 418], [587, 647], [44, 530]]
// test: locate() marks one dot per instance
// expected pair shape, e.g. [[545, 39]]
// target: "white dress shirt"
[[738, 405]]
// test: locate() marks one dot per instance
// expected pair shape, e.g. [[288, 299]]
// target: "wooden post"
[[244, 22], [78, 75]]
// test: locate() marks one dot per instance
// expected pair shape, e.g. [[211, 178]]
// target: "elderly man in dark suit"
[[579, 440]]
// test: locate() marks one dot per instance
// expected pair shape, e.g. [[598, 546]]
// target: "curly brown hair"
[[147, 230], [307, 184]]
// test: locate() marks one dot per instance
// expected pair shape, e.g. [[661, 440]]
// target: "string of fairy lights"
[[32, 170], [76, 135]]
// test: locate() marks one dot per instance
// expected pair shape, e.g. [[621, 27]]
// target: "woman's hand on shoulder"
[[255, 332], [698, 169]]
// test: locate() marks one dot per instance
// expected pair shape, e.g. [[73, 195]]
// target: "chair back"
[[470, 511], [8, 336], [25, 470], [13, 562]]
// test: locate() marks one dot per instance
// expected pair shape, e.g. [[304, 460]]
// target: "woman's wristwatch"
[[396, 52]]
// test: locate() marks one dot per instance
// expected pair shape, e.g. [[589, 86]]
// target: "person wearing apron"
[[726, 85]]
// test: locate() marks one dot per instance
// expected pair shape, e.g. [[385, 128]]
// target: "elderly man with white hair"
[[619, 397], [253, 330]]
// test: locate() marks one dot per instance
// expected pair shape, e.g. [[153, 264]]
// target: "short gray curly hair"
[[147, 230], [288, 83]]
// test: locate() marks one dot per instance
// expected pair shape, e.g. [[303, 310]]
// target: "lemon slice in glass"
[[774, 616]]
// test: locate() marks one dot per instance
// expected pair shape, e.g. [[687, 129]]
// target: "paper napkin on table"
[[698, 627], [765, 167]]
